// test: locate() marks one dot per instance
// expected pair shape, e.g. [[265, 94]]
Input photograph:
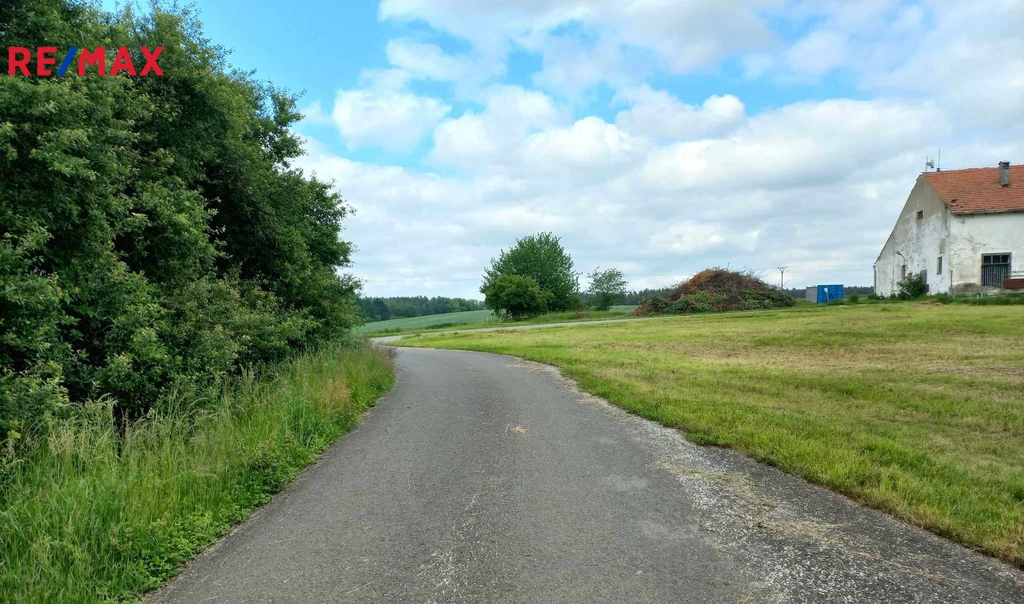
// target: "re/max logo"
[[19, 58]]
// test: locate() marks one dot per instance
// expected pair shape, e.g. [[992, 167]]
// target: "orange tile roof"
[[977, 190]]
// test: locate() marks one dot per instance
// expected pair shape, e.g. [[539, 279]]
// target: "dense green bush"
[[911, 287], [699, 301], [154, 237], [752, 299], [516, 297], [652, 306]]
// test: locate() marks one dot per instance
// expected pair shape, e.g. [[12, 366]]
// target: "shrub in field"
[[911, 287], [516, 297]]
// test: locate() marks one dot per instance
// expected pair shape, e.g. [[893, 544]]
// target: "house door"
[[995, 268]]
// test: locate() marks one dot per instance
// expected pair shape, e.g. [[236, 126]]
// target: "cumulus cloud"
[[680, 36], [429, 61], [807, 143], [384, 114], [657, 114], [655, 182], [787, 186], [492, 137], [972, 60]]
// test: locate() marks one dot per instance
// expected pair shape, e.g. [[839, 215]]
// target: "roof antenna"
[[928, 163], [939, 167]]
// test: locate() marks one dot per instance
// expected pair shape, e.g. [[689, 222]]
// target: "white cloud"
[[384, 115], [787, 186], [807, 143], [314, 114], [818, 53], [680, 36], [493, 136], [972, 60], [589, 144], [657, 114], [569, 67], [428, 61], [653, 184]]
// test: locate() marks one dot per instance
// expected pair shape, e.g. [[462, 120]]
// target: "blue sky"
[[657, 136]]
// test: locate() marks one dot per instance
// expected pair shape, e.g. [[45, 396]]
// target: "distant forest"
[[382, 309]]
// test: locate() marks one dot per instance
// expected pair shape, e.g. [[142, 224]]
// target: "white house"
[[962, 229]]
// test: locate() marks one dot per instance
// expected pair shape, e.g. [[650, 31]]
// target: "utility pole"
[[782, 276]]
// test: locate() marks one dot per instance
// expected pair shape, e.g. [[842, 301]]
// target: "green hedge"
[[154, 238]]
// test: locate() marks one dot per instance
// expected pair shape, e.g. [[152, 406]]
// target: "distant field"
[[914, 408], [413, 323], [483, 318]]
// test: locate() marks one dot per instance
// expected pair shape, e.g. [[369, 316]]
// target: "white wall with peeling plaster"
[[972, 235], [927, 231]]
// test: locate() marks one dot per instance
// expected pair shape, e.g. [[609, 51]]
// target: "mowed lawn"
[[914, 408]]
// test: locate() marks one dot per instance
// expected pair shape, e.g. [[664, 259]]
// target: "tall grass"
[[90, 516]]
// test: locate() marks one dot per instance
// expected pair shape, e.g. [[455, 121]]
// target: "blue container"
[[829, 293]]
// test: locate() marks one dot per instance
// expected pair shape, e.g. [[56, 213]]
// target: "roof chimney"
[[1004, 173]]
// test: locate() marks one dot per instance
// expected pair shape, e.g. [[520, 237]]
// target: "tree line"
[[154, 235], [398, 307]]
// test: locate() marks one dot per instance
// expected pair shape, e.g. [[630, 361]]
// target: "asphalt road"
[[482, 478]]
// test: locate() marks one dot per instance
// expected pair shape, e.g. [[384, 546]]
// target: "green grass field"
[[430, 321], [913, 408], [472, 319]]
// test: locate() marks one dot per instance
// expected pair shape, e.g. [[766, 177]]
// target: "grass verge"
[[88, 516], [913, 408]]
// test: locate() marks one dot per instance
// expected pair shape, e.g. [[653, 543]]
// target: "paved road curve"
[[481, 478]]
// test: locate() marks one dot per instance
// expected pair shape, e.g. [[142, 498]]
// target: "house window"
[[938, 266], [920, 214], [995, 268]]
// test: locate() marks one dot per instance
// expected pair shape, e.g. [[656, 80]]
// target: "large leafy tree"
[[154, 235], [542, 258]]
